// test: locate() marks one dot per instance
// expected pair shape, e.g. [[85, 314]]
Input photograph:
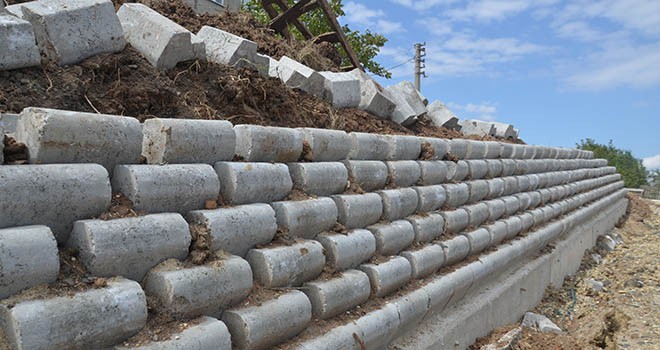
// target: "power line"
[[401, 64]]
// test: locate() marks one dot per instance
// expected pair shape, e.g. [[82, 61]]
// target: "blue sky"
[[560, 71]]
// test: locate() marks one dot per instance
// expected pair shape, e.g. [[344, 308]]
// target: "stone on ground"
[[19, 48]]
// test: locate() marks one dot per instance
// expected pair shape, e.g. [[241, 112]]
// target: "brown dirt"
[[14, 152], [624, 315], [158, 328], [120, 207]]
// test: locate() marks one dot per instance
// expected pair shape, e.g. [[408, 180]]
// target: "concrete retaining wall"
[[393, 247]]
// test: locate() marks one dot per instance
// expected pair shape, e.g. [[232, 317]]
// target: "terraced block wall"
[[258, 237]]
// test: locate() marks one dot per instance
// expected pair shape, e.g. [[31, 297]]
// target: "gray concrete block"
[[455, 220], [523, 183], [243, 183], [388, 276], [477, 169], [495, 188], [92, 319], [433, 172], [377, 328], [510, 185], [426, 260], [478, 190], [457, 194], [477, 128], [229, 49], [16, 9], [427, 227], [188, 292], [524, 199], [412, 307], [319, 179], [511, 204], [368, 146], [187, 141], [479, 240], [160, 40], [373, 97], [19, 34], [461, 171], [67, 192], [267, 66], [498, 232], [477, 214], [404, 147], [177, 188], [236, 229], [476, 149], [307, 218], [29, 257], [89, 138], [546, 195], [496, 209], [269, 323], [458, 148], [533, 182], [205, 333], [409, 104], [358, 210], [456, 249], [292, 73], [403, 173], [518, 151], [69, 31], [370, 175], [129, 247], [341, 337], [342, 89], [346, 251], [284, 266], [527, 221], [508, 167], [504, 130], [462, 280], [326, 145], [430, 198], [513, 226], [441, 116], [440, 147], [332, 297], [507, 150], [493, 149], [256, 143], [8, 123], [440, 291], [392, 237], [399, 203]]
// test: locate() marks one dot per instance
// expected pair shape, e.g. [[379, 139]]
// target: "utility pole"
[[420, 63]]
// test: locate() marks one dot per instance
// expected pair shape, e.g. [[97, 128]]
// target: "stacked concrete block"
[[283, 266], [161, 41], [292, 73], [427, 227], [19, 249], [477, 128], [441, 116], [129, 247], [399, 203], [430, 198], [229, 49], [319, 179], [439, 147], [370, 175], [404, 147], [479, 240], [433, 172], [478, 190], [358, 210], [67, 192], [459, 171], [477, 214], [346, 251], [457, 194], [426, 260], [458, 148], [504, 130], [55, 136], [392, 237], [477, 169], [306, 219], [176, 188], [456, 249], [476, 149], [69, 31], [242, 183], [209, 289], [366, 146], [203, 333], [377, 328], [342, 90], [94, 318], [403, 173], [187, 141], [334, 296], [17, 37], [455, 220], [256, 143], [388, 276], [409, 104], [270, 323], [325, 145], [373, 97]]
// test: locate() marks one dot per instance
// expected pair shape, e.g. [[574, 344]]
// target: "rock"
[[540, 322], [597, 258], [596, 286], [506, 342], [606, 244]]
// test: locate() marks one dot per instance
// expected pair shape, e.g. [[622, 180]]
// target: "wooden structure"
[[285, 16]]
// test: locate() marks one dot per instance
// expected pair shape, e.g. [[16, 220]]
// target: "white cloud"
[[481, 111], [652, 163], [422, 5], [487, 10], [362, 15]]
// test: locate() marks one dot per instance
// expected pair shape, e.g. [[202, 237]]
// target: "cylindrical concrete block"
[[56, 136], [358, 210], [510, 185], [370, 175], [439, 147], [66, 193], [494, 168], [477, 169], [479, 240], [546, 196], [28, 257], [392, 237], [368, 146], [269, 323], [346, 251], [286, 266], [493, 149], [319, 179], [524, 199], [476, 149], [461, 172], [511, 204], [243, 183], [386, 277], [306, 218], [331, 297], [204, 333], [457, 194], [534, 199], [412, 307], [129, 247], [92, 319], [456, 249], [430, 198], [199, 290], [399, 203], [433, 172], [495, 188], [533, 182], [236, 229], [256, 143], [507, 150], [458, 148], [527, 221], [478, 189], [426, 260], [404, 147], [508, 167], [176, 188], [403, 173], [377, 328], [496, 209], [187, 141], [523, 183], [455, 220], [498, 232], [513, 226], [427, 227], [477, 214], [326, 145]]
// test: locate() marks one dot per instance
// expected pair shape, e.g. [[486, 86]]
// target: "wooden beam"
[[343, 40]]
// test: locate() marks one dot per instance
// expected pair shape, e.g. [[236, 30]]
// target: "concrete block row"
[[398, 203], [319, 179], [242, 183], [347, 251], [426, 260], [403, 173], [388, 276], [427, 227], [256, 143], [326, 145], [306, 219], [334, 296], [358, 210], [430, 198], [17, 35], [204, 333], [284, 266], [392, 237]]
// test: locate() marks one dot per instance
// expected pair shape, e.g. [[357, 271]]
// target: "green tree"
[[366, 45], [631, 169], [654, 176]]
